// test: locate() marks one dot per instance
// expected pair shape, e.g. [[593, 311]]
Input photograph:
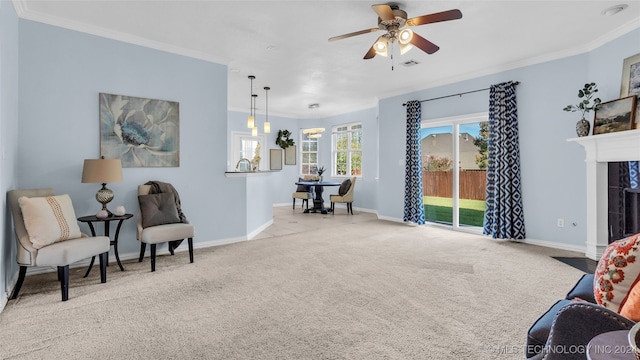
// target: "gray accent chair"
[[158, 234], [564, 331], [59, 254]]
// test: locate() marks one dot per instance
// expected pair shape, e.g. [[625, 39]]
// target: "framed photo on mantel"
[[616, 115], [630, 84]]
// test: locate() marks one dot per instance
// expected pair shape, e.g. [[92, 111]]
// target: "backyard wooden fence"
[[440, 183]]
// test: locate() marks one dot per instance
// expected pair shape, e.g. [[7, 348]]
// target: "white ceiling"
[[285, 43]]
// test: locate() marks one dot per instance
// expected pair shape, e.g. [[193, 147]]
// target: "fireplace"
[[599, 151]]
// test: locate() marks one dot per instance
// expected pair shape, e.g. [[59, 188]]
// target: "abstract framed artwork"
[[141, 132], [616, 115], [630, 84], [275, 159], [290, 155]]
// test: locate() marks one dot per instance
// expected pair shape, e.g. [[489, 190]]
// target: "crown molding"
[[23, 12], [596, 43]]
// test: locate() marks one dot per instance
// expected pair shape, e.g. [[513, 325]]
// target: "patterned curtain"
[[413, 206], [503, 217], [634, 174]]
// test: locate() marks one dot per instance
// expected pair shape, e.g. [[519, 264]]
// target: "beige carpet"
[[350, 288]]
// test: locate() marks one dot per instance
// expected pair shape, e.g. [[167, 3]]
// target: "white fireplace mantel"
[[601, 149]]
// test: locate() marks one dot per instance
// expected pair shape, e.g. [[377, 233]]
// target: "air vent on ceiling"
[[410, 63]]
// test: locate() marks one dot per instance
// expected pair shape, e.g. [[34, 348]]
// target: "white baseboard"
[[257, 231], [555, 245]]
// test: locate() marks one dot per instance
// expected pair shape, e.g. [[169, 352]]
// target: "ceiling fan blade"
[[371, 53], [424, 44], [384, 11], [435, 17], [353, 34]]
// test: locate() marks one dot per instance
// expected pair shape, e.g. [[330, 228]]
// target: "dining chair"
[[345, 195], [303, 192]]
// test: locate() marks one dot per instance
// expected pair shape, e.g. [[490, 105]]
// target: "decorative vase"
[[582, 127]]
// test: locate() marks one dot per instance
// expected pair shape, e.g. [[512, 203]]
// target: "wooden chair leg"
[[332, 208], [190, 250], [153, 257], [64, 284], [294, 203], [143, 247], [103, 267], [21, 275]]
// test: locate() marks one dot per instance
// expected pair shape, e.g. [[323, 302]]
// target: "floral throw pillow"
[[617, 272]]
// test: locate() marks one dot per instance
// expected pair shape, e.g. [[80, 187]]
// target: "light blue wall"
[[553, 170], [61, 74], [8, 136]]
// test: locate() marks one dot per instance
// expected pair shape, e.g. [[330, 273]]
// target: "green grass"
[[439, 209]]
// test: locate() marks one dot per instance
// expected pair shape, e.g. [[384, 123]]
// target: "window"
[[347, 150], [243, 146], [309, 155]]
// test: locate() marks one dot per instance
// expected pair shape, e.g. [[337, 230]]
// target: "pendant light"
[[251, 118], [254, 128], [267, 124]]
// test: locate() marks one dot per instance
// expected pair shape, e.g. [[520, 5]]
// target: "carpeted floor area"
[[312, 287]]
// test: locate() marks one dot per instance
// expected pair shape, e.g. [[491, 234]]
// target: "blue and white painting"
[[141, 132]]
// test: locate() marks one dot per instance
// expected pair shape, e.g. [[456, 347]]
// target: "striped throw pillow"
[[49, 219]]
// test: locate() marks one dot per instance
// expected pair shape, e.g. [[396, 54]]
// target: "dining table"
[[318, 201]]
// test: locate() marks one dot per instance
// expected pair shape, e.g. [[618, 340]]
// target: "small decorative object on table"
[[120, 210], [585, 105], [321, 171]]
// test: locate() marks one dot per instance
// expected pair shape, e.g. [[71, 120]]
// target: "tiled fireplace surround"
[[599, 150]]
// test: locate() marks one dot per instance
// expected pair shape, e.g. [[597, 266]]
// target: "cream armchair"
[[344, 195], [169, 231], [58, 254]]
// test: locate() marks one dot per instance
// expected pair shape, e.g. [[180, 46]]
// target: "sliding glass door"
[[454, 161]]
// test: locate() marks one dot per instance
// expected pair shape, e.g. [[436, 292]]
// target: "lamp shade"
[[102, 171]]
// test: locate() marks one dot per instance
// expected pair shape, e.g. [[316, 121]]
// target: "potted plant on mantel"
[[585, 105]]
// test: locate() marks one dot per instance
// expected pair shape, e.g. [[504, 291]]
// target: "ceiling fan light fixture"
[[405, 37], [381, 46]]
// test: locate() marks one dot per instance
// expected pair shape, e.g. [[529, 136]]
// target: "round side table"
[[114, 242]]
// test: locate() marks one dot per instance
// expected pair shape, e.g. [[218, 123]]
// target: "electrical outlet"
[[560, 222]]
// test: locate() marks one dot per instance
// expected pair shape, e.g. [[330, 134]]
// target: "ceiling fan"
[[392, 19]]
